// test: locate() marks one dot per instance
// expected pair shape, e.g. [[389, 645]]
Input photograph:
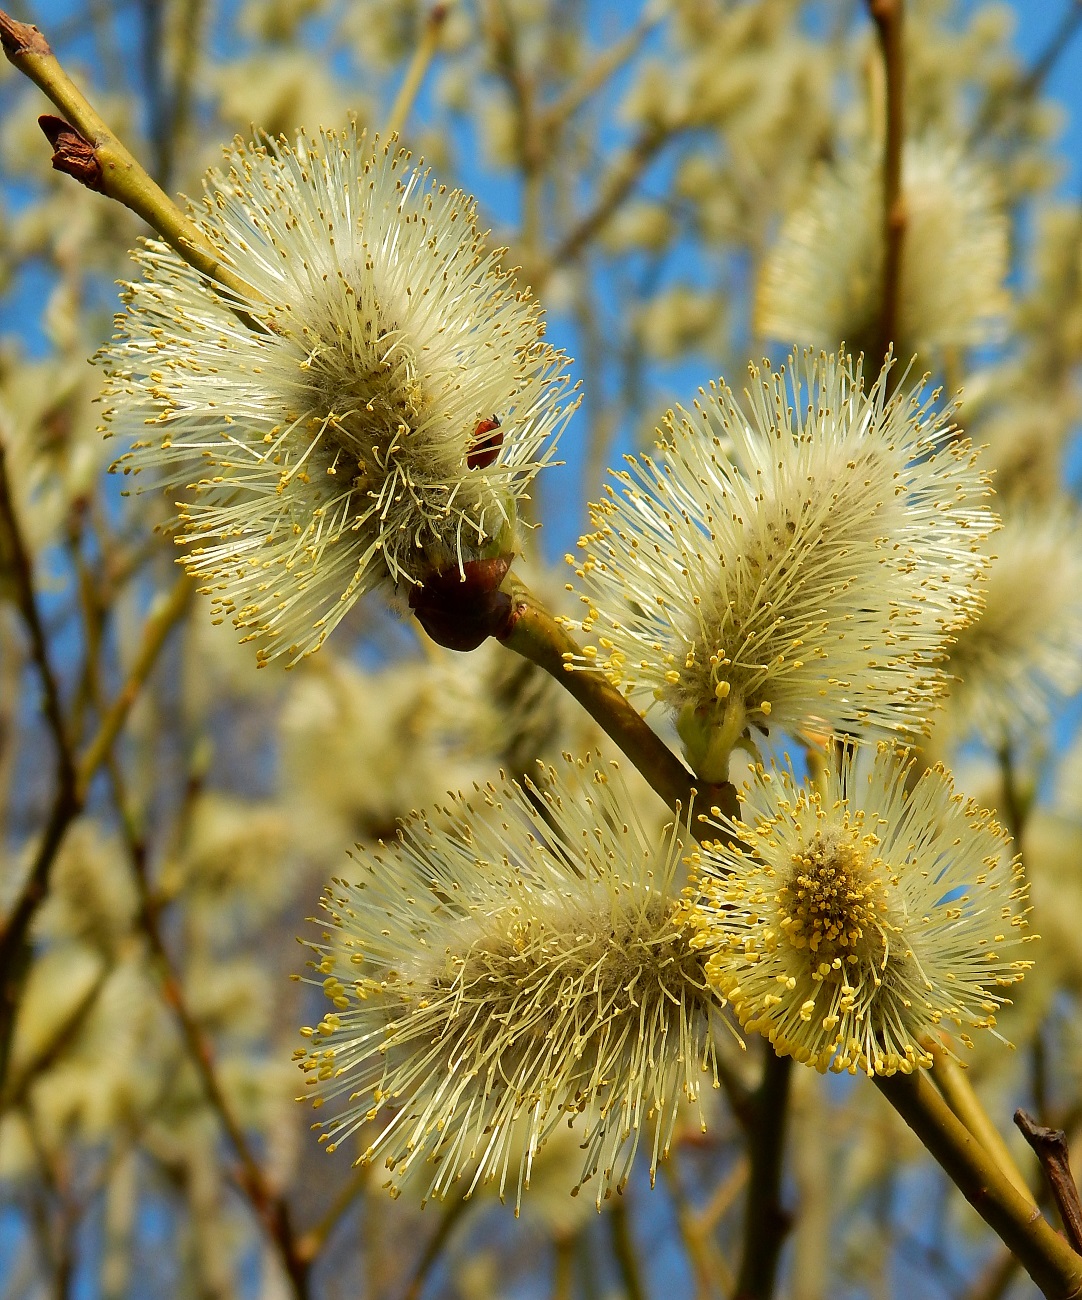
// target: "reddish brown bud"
[[21, 38], [73, 154], [460, 613], [486, 444]]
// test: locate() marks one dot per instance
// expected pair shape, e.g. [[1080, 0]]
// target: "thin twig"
[[766, 1222], [310, 1243], [623, 1249], [67, 804], [597, 71], [1048, 1259], [953, 1082], [888, 16], [1030, 84], [1015, 801], [21, 565], [14, 951], [122, 177], [434, 1248], [418, 66], [707, 1265], [1050, 1147], [162, 619], [616, 186]]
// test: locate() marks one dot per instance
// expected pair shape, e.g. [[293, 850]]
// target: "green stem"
[[122, 177], [1045, 1256], [537, 636], [959, 1094]]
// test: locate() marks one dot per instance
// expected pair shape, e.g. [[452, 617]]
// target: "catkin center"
[[834, 903]]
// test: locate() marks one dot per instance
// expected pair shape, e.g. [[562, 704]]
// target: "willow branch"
[[434, 1247], [13, 540], [888, 16], [270, 1207], [537, 636], [712, 1277], [766, 1222], [121, 177], [597, 72], [68, 803], [14, 955], [418, 66], [1050, 1147], [1045, 1256], [623, 1249], [312, 1242], [953, 1082], [157, 627], [617, 185]]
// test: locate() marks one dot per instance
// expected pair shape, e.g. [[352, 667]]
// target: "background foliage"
[[638, 162]]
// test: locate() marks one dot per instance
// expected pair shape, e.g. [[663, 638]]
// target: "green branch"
[[1045, 1256], [536, 635], [108, 166]]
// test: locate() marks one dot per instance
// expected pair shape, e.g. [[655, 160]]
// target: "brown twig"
[[68, 802], [434, 1247], [616, 186], [888, 16], [623, 1249], [14, 951], [13, 541], [1050, 1147], [270, 1207], [1048, 1259], [531, 142], [1016, 802], [159, 624], [766, 1221]]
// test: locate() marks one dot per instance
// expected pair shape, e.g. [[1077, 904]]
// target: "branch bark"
[[1046, 1257]]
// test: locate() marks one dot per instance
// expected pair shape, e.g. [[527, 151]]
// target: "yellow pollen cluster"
[[847, 922], [832, 901]]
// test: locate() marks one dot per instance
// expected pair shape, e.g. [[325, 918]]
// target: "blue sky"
[[1037, 20]]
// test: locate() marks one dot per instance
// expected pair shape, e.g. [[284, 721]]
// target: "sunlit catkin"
[[516, 965], [846, 923], [369, 415], [799, 564]]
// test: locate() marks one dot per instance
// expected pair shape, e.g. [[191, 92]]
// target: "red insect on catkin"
[[487, 441]]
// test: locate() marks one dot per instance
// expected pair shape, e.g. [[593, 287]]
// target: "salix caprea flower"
[[368, 415], [1024, 652], [516, 963], [845, 924], [822, 280], [799, 567]]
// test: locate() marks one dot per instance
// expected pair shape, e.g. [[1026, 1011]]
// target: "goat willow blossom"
[[821, 281], [380, 421], [846, 924], [1024, 653], [515, 963], [802, 568]]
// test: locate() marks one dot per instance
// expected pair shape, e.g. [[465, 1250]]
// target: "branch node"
[[21, 38], [1050, 1147], [73, 154]]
